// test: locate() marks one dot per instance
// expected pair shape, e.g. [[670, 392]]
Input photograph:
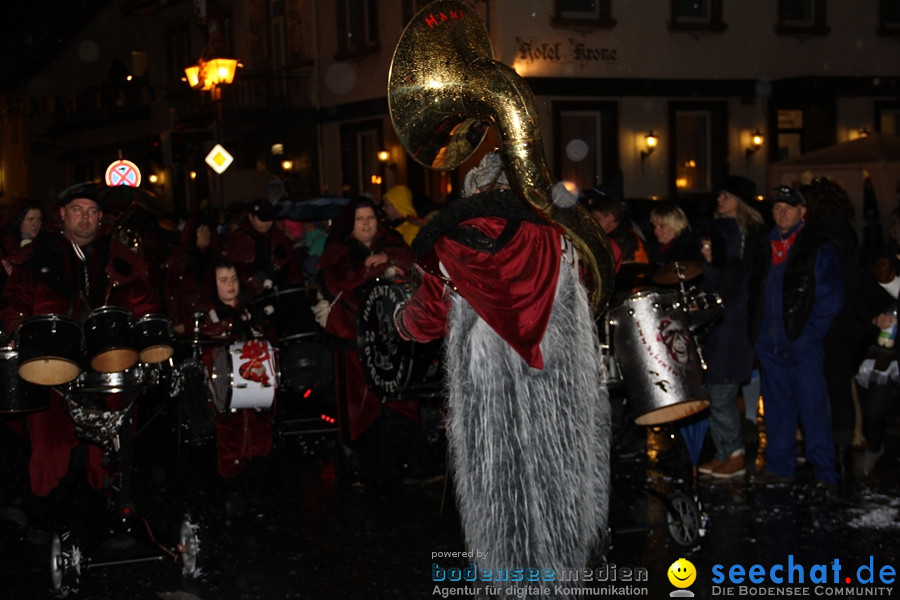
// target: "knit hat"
[[739, 187], [489, 172]]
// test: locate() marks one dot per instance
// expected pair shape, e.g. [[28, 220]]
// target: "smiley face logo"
[[682, 573]]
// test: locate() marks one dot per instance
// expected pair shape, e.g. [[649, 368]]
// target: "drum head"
[[156, 354], [114, 360], [49, 370]]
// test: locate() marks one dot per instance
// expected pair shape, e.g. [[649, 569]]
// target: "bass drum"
[[658, 357], [394, 367]]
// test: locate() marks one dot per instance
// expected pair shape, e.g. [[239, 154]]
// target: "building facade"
[[307, 111]]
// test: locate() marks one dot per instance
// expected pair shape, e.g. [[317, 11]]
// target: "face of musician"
[[227, 285], [204, 235], [31, 224], [787, 216], [664, 231], [607, 220], [81, 220], [365, 225], [260, 225]]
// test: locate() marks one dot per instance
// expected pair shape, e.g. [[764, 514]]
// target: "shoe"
[[708, 467], [733, 466], [766, 477], [866, 462]]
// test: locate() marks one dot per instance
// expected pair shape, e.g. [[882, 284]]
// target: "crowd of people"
[[232, 296], [795, 299], [801, 304]]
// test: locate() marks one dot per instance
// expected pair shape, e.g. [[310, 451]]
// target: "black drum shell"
[[109, 339], [289, 312], [18, 395], [51, 349], [154, 338]]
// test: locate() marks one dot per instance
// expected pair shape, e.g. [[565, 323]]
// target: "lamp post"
[[209, 75]]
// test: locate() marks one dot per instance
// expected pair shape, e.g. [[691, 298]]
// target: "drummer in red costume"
[[358, 252], [71, 272], [262, 254], [242, 435]]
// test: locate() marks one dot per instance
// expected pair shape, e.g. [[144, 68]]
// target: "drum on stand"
[[704, 309], [154, 338], [289, 312], [108, 339], [18, 395], [244, 376], [50, 349], [659, 358], [393, 366]]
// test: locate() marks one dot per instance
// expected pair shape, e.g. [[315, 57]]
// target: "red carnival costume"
[[346, 279], [50, 277]]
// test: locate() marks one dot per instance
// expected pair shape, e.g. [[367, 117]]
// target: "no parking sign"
[[123, 172]]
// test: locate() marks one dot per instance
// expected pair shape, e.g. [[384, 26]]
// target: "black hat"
[[263, 210], [88, 190], [788, 195], [739, 187]]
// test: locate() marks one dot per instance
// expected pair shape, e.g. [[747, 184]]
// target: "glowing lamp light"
[[208, 74]]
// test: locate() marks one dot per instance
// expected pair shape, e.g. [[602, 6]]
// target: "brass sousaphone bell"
[[445, 89]]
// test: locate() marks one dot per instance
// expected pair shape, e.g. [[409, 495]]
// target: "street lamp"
[[209, 75]]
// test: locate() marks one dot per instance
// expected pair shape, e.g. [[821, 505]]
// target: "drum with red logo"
[[244, 375]]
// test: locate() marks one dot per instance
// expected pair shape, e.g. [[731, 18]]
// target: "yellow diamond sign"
[[218, 159]]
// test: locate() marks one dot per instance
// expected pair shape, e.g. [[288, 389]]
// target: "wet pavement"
[[308, 532]]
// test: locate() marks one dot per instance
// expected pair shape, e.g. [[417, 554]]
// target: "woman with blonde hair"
[[674, 238]]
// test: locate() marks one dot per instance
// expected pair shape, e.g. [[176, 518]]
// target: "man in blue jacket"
[[802, 294]]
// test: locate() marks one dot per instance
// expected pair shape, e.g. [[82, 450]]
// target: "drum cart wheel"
[[189, 547], [65, 565], [684, 519]]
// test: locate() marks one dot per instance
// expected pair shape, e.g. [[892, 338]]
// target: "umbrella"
[[322, 208]]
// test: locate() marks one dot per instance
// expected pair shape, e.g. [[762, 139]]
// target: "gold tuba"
[[445, 89]]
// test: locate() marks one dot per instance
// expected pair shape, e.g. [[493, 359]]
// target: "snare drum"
[[50, 350], [243, 376], [393, 366], [108, 339], [93, 382], [154, 338], [18, 395]]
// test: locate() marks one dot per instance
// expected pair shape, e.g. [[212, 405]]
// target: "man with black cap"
[[263, 255], [802, 293], [71, 272]]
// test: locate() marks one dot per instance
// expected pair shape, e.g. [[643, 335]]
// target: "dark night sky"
[[33, 32]]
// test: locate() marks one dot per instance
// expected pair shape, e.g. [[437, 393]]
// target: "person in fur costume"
[[528, 417]]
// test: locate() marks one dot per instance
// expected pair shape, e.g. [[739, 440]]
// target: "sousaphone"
[[445, 89]]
